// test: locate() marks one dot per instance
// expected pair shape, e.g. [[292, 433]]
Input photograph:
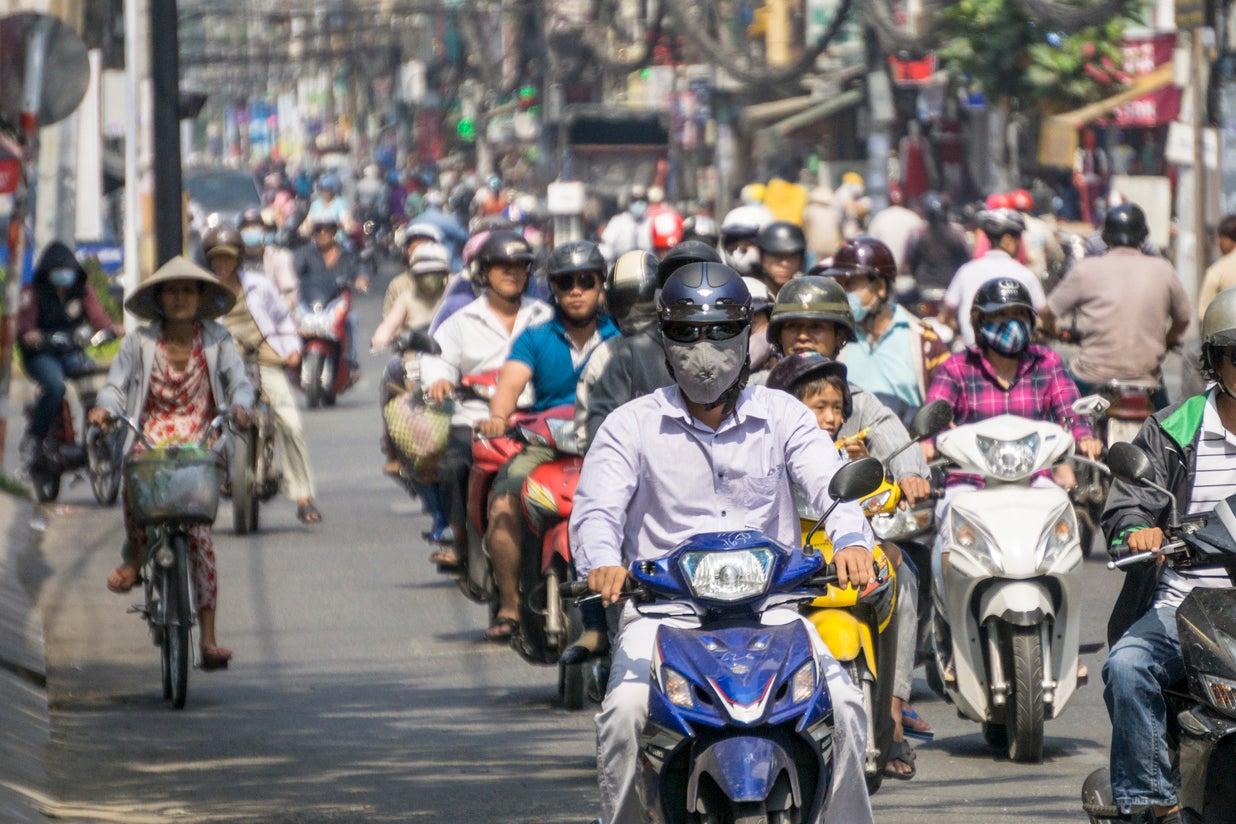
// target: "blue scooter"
[[740, 721]]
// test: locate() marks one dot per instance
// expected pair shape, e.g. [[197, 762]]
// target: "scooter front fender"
[[745, 768], [556, 542], [1021, 603], [845, 636], [1207, 751]]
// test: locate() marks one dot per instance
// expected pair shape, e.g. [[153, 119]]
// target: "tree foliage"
[[1013, 58]]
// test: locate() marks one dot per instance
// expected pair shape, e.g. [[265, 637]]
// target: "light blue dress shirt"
[[886, 367], [655, 476]]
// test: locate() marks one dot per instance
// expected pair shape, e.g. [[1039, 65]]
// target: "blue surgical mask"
[[638, 209], [1009, 337], [252, 236], [62, 278], [857, 309]]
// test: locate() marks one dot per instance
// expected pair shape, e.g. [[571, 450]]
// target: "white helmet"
[[430, 259], [743, 223]]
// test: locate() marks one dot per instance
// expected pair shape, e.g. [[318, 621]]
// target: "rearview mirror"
[[856, 480], [418, 342], [931, 419], [1129, 464]]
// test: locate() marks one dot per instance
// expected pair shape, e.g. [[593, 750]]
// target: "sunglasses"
[[692, 333], [565, 283]]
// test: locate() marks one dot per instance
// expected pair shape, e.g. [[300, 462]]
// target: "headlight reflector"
[[1057, 537], [729, 575], [967, 538], [802, 684], [1009, 460], [676, 688]]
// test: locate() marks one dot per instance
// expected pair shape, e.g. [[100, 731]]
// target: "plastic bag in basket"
[[419, 431]]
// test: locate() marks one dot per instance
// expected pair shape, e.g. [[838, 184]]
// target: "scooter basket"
[[178, 485], [418, 431]]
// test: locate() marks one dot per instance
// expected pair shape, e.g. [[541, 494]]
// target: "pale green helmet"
[[1218, 329]]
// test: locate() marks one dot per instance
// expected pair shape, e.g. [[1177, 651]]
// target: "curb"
[[25, 731]]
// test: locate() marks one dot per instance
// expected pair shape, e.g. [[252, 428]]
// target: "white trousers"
[[289, 433], [625, 711]]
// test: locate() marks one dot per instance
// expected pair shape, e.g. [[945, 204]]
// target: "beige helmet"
[[1218, 332]]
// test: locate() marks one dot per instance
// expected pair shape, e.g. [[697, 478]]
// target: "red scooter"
[[324, 372]]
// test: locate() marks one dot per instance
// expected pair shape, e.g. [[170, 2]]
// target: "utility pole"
[[165, 75]]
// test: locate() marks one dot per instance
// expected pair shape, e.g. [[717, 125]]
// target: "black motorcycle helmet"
[[996, 223], [702, 228], [807, 367], [503, 246], [575, 256], [689, 251], [998, 294], [935, 207], [1125, 225], [782, 238]]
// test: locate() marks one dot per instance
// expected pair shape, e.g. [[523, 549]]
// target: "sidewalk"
[[24, 723]]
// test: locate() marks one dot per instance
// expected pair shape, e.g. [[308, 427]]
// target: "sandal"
[[215, 658], [122, 579], [910, 718], [903, 752], [444, 558], [502, 630], [308, 513]]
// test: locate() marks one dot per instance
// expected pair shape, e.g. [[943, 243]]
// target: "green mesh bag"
[[418, 431]]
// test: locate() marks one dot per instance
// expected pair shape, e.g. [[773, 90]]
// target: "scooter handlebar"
[[1168, 549]]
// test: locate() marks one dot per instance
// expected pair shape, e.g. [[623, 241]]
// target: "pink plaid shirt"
[[1041, 390]]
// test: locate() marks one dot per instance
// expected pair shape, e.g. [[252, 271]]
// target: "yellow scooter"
[[857, 626]]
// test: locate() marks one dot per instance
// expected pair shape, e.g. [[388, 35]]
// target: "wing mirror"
[[851, 482], [1130, 464], [931, 419]]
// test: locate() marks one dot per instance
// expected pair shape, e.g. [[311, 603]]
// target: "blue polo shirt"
[[886, 366], [546, 350]]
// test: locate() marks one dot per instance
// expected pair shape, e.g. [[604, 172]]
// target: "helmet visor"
[[695, 332]]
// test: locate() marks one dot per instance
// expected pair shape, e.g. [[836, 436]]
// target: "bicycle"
[[170, 489], [253, 473]]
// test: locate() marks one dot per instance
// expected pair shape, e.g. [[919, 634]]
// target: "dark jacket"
[[1169, 439], [46, 310], [636, 368]]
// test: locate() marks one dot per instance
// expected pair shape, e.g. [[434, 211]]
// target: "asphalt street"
[[361, 689]]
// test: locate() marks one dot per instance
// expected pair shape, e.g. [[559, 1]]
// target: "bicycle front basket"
[[176, 484]]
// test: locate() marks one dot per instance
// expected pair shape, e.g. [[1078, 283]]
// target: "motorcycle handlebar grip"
[[573, 589]]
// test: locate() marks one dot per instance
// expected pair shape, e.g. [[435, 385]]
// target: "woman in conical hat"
[[170, 376]]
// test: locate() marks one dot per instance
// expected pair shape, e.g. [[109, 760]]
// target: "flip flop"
[[215, 658], [502, 630], [903, 752], [444, 558], [912, 716], [308, 514], [122, 579]]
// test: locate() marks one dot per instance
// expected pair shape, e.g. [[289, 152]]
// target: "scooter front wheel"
[[311, 378], [1026, 712]]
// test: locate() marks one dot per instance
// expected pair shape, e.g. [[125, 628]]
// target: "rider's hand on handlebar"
[[1090, 448], [1146, 540], [608, 581], [915, 489], [32, 338], [99, 416], [492, 427], [241, 416], [362, 284], [440, 391], [292, 361], [854, 566]]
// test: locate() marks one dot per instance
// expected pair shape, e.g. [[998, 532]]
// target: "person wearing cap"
[[263, 327], [328, 207], [323, 268], [170, 376], [265, 257], [57, 301]]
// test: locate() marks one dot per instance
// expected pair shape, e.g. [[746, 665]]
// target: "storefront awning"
[[1058, 134]]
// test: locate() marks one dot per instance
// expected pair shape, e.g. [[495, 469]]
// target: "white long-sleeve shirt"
[[654, 476], [475, 340]]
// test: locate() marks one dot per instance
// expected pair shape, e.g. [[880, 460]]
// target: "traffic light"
[[528, 99], [466, 130]]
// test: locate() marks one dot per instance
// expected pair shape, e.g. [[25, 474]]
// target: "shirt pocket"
[[758, 496]]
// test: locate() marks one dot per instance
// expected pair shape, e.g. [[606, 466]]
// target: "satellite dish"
[[66, 70]]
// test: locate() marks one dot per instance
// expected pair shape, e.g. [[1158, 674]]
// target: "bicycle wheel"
[[104, 459], [159, 619], [179, 615]]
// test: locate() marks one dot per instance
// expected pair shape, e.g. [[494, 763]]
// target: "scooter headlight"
[[676, 688], [967, 538], [902, 523], [1057, 538], [802, 684], [1009, 460], [734, 575]]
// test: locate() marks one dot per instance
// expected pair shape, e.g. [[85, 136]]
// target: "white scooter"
[[1006, 580]]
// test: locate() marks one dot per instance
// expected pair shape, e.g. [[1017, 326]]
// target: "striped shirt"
[[1214, 480]]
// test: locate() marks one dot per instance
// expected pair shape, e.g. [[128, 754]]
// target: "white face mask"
[[743, 261], [62, 278], [704, 370]]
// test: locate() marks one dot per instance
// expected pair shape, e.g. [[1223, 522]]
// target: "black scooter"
[[1202, 708]]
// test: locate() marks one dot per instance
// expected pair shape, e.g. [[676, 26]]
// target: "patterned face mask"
[[1009, 337]]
